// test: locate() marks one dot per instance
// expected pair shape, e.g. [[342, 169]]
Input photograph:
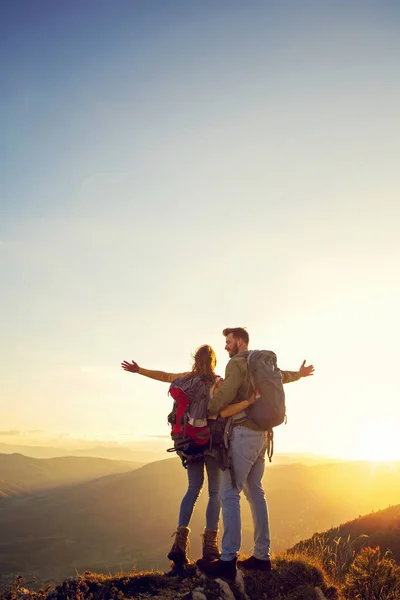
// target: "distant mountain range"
[[21, 474], [124, 520], [111, 452], [139, 453]]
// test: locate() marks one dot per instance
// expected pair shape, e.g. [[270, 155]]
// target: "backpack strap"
[[253, 385], [227, 444], [242, 416], [270, 444], [185, 421]]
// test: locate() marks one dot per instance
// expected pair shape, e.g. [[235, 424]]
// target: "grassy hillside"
[[126, 520], [362, 556], [381, 528], [21, 474]]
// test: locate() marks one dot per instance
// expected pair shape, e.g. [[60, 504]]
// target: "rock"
[[239, 582], [197, 594], [22, 594], [226, 592]]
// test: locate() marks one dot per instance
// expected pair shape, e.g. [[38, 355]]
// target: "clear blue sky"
[[170, 168]]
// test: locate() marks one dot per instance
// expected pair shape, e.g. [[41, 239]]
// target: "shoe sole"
[[212, 576], [254, 569]]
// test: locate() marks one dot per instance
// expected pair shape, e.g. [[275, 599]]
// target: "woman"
[[204, 366]]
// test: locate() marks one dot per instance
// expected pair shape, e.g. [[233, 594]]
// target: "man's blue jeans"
[[195, 471], [248, 449]]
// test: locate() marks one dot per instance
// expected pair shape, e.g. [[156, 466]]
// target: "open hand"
[[132, 367], [306, 371]]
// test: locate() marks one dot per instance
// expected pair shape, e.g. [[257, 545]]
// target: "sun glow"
[[379, 445]]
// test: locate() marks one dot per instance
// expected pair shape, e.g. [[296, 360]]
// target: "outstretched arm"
[[234, 409], [133, 367], [304, 371]]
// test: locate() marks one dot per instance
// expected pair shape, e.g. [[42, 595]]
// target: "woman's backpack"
[[190, 431]]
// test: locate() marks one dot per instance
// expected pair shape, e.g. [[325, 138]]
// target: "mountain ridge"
[[20, 474]]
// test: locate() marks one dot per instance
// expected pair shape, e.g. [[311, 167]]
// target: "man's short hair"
[[237, 332]]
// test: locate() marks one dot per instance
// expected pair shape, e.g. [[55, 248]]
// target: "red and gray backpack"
[[190, 431]]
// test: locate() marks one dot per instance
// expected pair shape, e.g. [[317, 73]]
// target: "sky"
[[169, 169]]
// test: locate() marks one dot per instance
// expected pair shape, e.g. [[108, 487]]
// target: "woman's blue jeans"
[[195, 471]]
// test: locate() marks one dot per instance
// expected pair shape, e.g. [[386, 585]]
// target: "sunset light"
[[185, 183]]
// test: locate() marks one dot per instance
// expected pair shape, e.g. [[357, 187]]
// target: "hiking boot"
[[177, 571], [226, 569], [210, 545], [255, 564], [178, 551]]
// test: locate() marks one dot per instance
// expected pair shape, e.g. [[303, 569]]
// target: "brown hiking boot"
[[178, 551], [255, 564], [226, 569], [210, 545]]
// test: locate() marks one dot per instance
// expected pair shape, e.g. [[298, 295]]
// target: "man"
[[248, 447]]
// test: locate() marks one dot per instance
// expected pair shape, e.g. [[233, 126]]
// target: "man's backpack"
[[266, 379], [190, 431]]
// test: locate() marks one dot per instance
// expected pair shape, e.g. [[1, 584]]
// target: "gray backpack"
[[266, 379], [269, 410]]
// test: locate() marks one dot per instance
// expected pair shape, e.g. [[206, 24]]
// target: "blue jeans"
[[195, 471], [248, 449]]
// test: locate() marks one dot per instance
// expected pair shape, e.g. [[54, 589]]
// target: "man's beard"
[[234, 351]]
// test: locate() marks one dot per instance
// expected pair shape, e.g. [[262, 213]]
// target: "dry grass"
[[358, 571], [372, 577], [344, 571], [292, 579]]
